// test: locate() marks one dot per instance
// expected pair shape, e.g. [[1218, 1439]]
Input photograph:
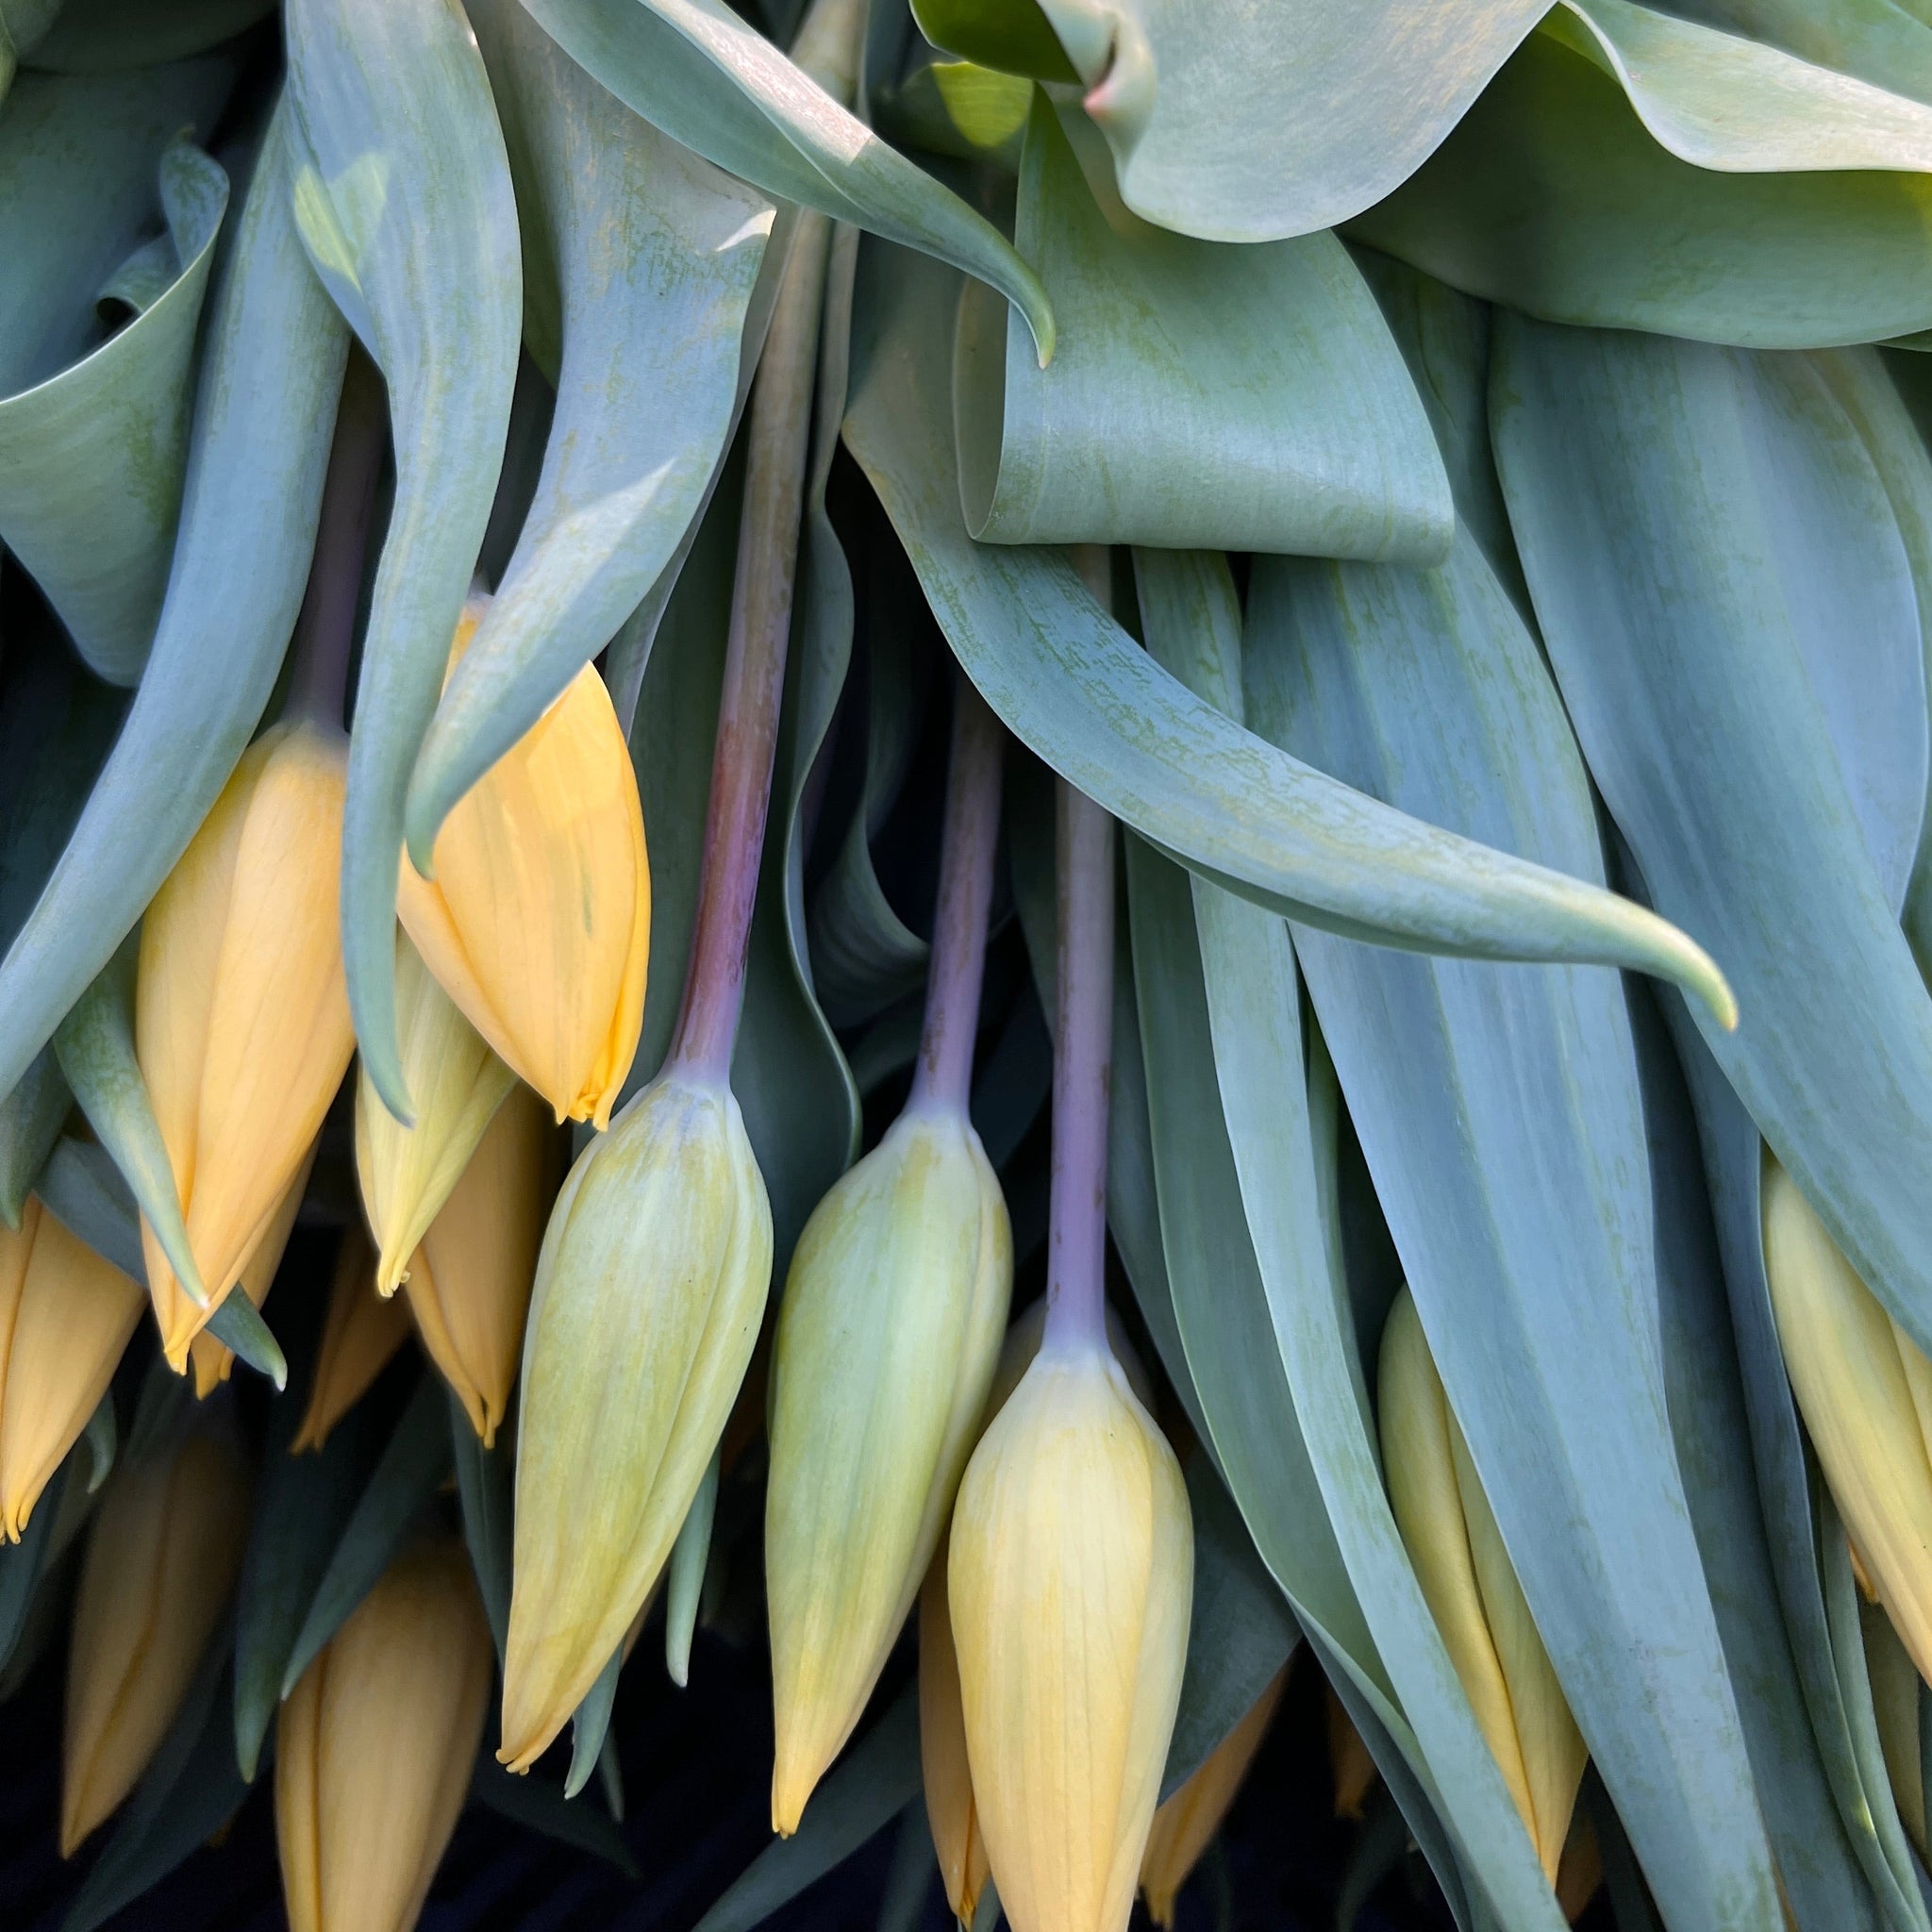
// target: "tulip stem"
[[327, 628], [1082, 1072], [943, 1076]]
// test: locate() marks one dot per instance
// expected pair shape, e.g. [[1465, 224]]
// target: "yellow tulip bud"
[[161, 1557], [1581, 1875], [1186, 1822], [242, 1013], [1895, 1705], [65, 1317], [650, 1288], [538, 921], [1472, 1590], [1865, 1393], [457, 1085], [1071, 1585], [375, 1746], [468, 1283], [887, 1339], [213, 1359], [360, 1332], [1351, 1766], [950, 1809]]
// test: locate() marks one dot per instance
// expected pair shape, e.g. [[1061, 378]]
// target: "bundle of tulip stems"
[[1046, 852]]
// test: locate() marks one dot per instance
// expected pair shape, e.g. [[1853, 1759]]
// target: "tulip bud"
[[1895, 1703], [1071, 1585], [1185, 1824], [360, 1332], [375, 1746], [242, 1013], [65, 1317], [650, 1288], [1581, 1875], [887, 1337], [1862, 1386], [457, 1085], [161, 1557], [1472, 1590], [212, 1358], [538, 920], [468, 1283], [950, 1809], [1351, 1766]]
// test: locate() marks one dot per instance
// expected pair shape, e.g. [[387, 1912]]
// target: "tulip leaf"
[[31, 1118], [485, 1492], [858, 1798], [591, 1725], [237, 1324], [1240, 1637], [91, 458], [94, 1045], [187, 1793], [24, 23], [541, 1806], [953, 108], [1498, 1109], [657, 254], [1012, 37], [23, 1564], [103, 1438], [1066, 679], [106, 36], [401, 195], [256, 454], [699, 71], [82, 1189], [685, 1573], [1630, 169], [411, 1468], [1726, 599], [302, 1505], [1244, 397]]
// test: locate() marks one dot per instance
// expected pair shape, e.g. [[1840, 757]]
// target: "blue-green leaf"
[[486, 1495], [541, 1806], [402, 194], [684, 1580], [106, 36], [30, 1120], [590, 1726]]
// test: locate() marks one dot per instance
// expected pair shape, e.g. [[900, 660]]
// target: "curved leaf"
[[106, 36], [656, 254], [696, 70], [257, 455], [1633, 170], [1722, 591], [402, 194], [1244, 397], [484, 1494], [1067, 680], [92, 460], [31, 1118]]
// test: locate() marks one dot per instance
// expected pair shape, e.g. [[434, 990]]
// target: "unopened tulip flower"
[[1865, 1391], [538, 919], [212, 1358], [360, 1332], [161, 1559], [1071, 1561], [375, 1746], [1186, 1822], [650, 1287], [887, 1337], [241, 1014], [65, 1318], [457, 1085], [950, 1810], [1472, 1590], [469, 1282]]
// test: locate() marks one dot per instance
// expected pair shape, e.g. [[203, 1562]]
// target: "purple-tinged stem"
[[1082, 1074], [943, 1076], [326, 628]]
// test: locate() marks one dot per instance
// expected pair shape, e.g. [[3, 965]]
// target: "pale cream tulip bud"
[[1071, 1585], [375, 1746], [1472, 1590], [241, 1012], [1865, 1391], [650, 1288], [212, 1358], [468, 1283], [65, 1318], [538, 921], [162, 1555], [887, 1333], [457, 1083], [1185, 1824], [950, 1809], [361, 1331]]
